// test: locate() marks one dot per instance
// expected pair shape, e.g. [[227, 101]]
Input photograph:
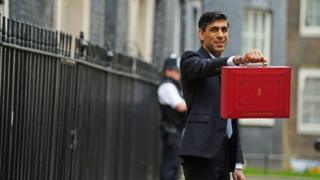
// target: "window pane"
[[311, 101], [256, 31], [312, 16], [312, 113]]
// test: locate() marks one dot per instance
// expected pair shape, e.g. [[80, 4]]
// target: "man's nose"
[[220, 33]]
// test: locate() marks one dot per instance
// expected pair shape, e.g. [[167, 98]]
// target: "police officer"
[[173, 108]]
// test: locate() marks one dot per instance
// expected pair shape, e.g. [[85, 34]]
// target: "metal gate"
[[63, 118]]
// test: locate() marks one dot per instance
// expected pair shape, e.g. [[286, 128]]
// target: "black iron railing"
[[94, 116]]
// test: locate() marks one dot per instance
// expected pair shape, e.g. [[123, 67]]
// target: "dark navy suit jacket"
[[205, 130]]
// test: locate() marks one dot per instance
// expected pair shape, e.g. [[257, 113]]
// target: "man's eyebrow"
[[218, 27]]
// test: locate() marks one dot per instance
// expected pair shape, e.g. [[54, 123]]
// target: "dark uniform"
[[171, 129]]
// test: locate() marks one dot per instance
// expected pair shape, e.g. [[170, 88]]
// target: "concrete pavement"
[[276, 178]]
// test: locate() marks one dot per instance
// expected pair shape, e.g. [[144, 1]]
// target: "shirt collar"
[[212, 56]]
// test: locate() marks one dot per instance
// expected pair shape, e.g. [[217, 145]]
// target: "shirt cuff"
[[239, 166], [230, 61]]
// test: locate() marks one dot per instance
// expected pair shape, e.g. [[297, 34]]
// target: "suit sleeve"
[[239, 153], [194, 66]]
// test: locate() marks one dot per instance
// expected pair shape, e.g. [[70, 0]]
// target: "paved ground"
[[275, 178], [181, 177], [268, 178]]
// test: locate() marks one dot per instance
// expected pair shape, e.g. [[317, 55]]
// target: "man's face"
[[173, 73], [215, 37]]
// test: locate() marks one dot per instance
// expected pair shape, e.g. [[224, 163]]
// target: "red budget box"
[[255, 92]]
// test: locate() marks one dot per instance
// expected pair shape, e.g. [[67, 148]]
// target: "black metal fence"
[[94, 116]]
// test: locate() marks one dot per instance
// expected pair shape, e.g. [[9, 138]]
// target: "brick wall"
[[302, 52]]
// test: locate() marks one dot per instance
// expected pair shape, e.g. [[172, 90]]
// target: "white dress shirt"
[[168, 94]]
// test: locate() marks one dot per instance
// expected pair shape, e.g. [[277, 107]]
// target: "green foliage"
[[287, 173]]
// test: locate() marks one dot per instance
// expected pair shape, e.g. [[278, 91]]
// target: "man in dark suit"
[[210, 145]]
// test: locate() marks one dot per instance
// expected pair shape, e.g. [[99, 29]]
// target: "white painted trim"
[[86, 19], [263, 122], [150, 14], [85, 24], [141, 26], [268, 37], [306, 31], [5, 7], [58, 14], [303, 128]]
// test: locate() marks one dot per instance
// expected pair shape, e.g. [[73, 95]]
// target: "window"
[[310, 18], [309, 101], [257, 31], [140, 32], [257, 34], [4, 7]]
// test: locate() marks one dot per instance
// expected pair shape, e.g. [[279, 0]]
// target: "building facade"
[[146, 29], [153, 29], [303, 128]]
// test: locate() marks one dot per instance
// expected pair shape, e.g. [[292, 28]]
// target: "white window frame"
[[268, 28], [303, 128], [265, 122], [304, 30], [5, 8]]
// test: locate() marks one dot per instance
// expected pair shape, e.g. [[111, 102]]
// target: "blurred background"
[[83, 105]]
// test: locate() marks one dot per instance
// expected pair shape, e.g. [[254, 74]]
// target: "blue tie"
[[229, 128]]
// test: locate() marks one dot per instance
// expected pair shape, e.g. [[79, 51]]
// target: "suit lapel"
[[204, 53]]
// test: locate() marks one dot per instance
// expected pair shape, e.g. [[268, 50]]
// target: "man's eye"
[[224, 30], [214, 29]]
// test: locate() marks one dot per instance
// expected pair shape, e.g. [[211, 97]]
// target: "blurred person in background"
[[173, 108], [210, 144]]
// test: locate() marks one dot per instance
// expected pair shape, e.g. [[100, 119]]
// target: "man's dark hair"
[[209, 17]]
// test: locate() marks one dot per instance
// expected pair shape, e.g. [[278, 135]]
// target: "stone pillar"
[[39, 12], [116, 24], [163, 31], [97, 22]]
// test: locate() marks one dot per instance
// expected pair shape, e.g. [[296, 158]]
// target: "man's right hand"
[[253, 56]]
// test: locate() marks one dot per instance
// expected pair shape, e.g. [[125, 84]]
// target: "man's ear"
[[201, 34]]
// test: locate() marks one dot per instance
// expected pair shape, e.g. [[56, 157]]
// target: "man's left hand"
[[238, 175]]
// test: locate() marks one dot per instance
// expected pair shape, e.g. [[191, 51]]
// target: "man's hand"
[[238, 175], [253, 56]]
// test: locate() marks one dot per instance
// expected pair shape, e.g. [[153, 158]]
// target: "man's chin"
[[218, 50]]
